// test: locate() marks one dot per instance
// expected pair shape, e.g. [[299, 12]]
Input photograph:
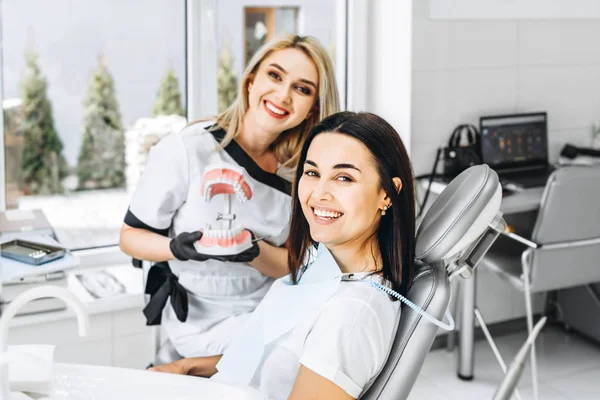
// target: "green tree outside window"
[[226, 78], [101, 162], [42, 164], [168, 101]]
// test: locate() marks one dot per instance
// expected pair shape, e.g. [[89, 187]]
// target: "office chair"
[[564, 247], [456, 231]]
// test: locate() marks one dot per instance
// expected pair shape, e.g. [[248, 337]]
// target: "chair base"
[[465, 377]]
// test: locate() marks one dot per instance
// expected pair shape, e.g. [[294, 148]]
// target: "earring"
[[384, 210]]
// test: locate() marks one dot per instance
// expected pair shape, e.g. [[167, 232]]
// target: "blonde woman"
[[210, 193]]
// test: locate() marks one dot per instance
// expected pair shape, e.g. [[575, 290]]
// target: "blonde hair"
[[289, 143]]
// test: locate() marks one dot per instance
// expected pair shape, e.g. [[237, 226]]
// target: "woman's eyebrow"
[[336, 166], [343, 166], [279, 67]]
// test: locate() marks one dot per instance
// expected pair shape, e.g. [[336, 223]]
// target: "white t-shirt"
[[347, 341]]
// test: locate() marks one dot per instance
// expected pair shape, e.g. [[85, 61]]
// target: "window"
[[263, 24], [88, 87]]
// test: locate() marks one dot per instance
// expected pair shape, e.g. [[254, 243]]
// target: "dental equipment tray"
[[31, 252]]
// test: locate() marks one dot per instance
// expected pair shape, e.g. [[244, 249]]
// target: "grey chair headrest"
[[459, 215]]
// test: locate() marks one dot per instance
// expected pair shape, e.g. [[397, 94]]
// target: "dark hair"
[[396, 232]]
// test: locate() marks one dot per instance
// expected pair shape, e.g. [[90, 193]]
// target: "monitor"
[[514, 141]]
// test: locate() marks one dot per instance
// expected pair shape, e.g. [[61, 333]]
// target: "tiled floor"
[[568, 368]]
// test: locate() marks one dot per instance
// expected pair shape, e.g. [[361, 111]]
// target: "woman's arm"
[[311, 386], [197, 366], [272, 260], [144, 244]]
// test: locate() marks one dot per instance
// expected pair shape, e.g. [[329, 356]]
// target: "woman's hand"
[[197, 366], [183, 249], [177, 367], [271, 260]]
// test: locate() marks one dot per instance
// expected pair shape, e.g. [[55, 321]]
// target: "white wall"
[[458, 70], [388, 68], [462, 69]]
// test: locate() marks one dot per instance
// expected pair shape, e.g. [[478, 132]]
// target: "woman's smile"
[[275, 111], [325, 216]]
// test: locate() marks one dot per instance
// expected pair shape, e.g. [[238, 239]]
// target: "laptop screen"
[[514, 141]]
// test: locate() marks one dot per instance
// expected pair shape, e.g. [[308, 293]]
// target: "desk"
[[516, 202], [513, 203]]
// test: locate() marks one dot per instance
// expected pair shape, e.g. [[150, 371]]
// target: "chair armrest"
[[521, 239]]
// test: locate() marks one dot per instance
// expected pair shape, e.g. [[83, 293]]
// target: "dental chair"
[[455, 233]]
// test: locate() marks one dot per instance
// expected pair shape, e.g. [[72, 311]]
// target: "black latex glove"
[[183, 249]]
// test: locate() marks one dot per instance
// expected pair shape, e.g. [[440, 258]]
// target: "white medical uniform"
[[168, 200], [343, 331]]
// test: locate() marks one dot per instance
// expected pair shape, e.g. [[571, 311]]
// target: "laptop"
[[516, 147]]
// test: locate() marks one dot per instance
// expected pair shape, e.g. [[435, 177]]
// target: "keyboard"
[[526, 179]]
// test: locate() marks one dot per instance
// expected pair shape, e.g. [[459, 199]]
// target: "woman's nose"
[[286, 94], [321, 191]]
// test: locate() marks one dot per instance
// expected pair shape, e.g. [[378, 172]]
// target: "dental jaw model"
[[227, 239]]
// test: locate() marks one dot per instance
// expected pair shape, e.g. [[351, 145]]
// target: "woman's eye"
[[311, 173], [304, 90], [344, 178], [274, 75]]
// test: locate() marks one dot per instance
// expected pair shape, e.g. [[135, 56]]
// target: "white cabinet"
[[118, 334], [117, 338]]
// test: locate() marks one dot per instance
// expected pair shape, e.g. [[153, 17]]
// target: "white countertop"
[[134, 298]]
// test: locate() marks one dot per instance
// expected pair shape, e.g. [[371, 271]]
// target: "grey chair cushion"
[[430, 290], [455, 211], [570, 208]]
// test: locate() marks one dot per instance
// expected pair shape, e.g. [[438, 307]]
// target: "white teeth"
[[327, 214], [241, 195], [275, 110], [222, 233]]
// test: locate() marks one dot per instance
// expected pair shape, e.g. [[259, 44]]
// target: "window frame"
[[2, 149]]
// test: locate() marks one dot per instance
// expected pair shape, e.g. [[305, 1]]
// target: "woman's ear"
[[385, 198], [398, 183]]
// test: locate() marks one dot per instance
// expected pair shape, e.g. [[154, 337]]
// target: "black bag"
[[458, 158]]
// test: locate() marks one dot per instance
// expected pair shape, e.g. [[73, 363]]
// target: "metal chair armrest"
[[521, 239]]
